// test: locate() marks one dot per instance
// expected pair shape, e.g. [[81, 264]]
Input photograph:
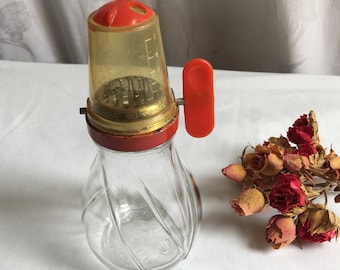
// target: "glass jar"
[[141, 210]]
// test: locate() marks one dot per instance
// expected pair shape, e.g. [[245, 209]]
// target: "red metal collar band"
[[134, 142]]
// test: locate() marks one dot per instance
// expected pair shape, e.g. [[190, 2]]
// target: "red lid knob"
[[121, 13], [198, 94]]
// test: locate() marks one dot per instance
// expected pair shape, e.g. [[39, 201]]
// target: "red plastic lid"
[[198, 94], [121, 13]]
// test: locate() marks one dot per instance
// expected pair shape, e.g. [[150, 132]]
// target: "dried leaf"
[[281, 141], [314, 124], [337, 188], [312, 193], [334, 163], [337, 198]]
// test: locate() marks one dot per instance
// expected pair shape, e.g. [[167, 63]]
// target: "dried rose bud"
[[249, 202], [305, 161], [275, 164], [280, 231], [292, 162], [317, 224], [235, 172]]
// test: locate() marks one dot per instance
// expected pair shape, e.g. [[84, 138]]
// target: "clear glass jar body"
[[141, 210]]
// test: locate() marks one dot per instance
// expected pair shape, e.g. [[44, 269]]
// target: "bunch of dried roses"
[[288, 174]]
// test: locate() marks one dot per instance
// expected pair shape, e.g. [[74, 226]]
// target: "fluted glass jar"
[[141, 210]]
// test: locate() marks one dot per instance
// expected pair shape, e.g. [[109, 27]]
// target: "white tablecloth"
[[46, 152]]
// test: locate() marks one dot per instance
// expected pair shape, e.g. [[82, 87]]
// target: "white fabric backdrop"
[[300, 36]]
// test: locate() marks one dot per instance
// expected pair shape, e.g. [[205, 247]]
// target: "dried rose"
[[280, 231], [301, 121], [304, 134], [300, 133], [249, 202], [317, 224], [306, 149], [287, 194], [266, 159], [256, 161], [235, 172]]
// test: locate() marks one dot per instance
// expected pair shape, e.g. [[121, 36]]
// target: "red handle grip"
[[198, 94]]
